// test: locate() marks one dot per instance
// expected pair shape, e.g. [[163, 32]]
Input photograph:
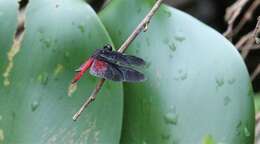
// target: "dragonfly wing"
[[80, 68], [116, 57], [105, 70], [131, 75]]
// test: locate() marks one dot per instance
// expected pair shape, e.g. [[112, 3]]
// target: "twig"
[[247, 42], [141, 27], [232, 13], [91, 98], [256, 72], [257, 128], [246, 17], [257, 31], [243, 41]]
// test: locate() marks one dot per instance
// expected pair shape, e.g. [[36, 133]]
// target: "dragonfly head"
[[108, 47]]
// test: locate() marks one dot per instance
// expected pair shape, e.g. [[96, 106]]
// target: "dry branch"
[[247, 16], [231, 15]]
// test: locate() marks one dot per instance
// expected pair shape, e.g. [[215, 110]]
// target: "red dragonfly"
[[112, 65]]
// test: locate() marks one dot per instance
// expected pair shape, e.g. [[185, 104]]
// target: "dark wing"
[[131, 75], [105, 70], [115, 72], [123, 59]]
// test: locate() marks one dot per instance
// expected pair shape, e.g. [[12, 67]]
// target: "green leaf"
[[257, 102], [59, 36], [197, 82], [8, 23]]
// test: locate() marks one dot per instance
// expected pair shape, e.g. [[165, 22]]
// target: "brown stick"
[[231, 15], [247, 16], [247, 42], [256, 72], [257, 31], [142, 26], [90, 99]]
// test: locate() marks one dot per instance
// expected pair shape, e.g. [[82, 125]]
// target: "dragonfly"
[[111, 65]]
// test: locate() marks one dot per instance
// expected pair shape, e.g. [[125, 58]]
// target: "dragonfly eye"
[[108, 47]]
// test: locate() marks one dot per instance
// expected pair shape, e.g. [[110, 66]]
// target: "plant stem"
[[142, 26]]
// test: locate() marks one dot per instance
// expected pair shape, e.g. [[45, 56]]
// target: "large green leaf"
[[59, 36], [198, 89], [8, 23]]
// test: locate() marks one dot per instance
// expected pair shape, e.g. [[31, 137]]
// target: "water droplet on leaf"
[[81, 28], [180, 39], [184, 76], [66, 54], [238, 127], [171, 117], [227, 100], [172, 47], [59, 69], [232, 81], [34, 105], [167, 12], [220, 82], [179, 36], [43, 78], [46, 42], [246, 132]]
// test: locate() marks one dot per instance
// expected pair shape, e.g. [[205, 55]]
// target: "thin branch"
[[246, 43], [249, 41], [256, 72], [232, 13], [141, 27], [257, 31], [243, 41], [246, 17], [91, 98]]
